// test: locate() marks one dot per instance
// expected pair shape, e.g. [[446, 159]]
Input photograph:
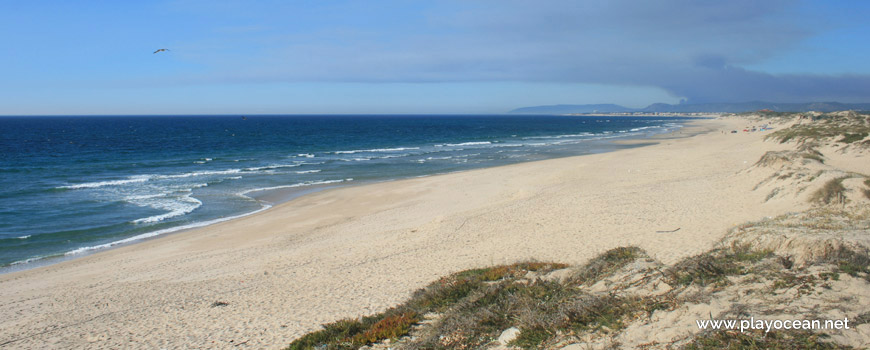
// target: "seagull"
[[159, 50]]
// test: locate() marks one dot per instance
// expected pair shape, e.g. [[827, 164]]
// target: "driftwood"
[[668, 231]]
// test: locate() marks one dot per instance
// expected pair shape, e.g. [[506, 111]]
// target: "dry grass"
[[508, 271], [713, 267], [771, 158], [352, 334], [540, 309], [814, 156], [477, 305], [831, 192], [607, 263], [853, 262], [390, 327], [816, 220], [440, 296], [774, 157], [849, 128]]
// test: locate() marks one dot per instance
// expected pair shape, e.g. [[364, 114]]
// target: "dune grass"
[[713, 267], [476, 305], [844, 129], [850, 137], [397, 322], [830, 192], [470, 309], [855, 263]]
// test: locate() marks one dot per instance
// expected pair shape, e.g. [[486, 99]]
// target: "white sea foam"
[[475, 143], [305, 155], [184, 227], [19, 262], [146, 178], [308, 171], [144, 197], [23, 237], [197, 173], [131, 179], [273, 167], [394, 156], [151, 234], [376, 150], [468, 155], [582, 134], [174, 205], [301, 184]]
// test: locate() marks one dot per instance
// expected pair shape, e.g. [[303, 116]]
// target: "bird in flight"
[[159, 50]]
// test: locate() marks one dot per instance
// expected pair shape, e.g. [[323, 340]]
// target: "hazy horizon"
[[446, 57]]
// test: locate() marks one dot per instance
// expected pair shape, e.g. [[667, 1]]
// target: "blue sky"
[[464, 56]]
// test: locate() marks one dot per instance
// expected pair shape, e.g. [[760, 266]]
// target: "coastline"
[[357, 249], [267, 197]]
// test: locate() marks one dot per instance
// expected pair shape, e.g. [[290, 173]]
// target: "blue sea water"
[[70, 185]]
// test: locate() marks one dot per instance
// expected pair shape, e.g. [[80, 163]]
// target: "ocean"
[[73, 185]]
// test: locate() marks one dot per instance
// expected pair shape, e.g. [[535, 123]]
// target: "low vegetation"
[[814, 156], [438, 297], [841, 127], [850, 137], [832, 191], [471, 309], [855, 263], [713, 267], [475, 306], [808, 151]]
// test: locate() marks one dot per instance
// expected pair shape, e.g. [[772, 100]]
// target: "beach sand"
[[265, 279]]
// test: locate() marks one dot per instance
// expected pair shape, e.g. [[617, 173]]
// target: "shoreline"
[[353, 250], [270, 197]]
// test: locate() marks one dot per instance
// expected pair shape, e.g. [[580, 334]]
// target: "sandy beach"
[[265, 279]]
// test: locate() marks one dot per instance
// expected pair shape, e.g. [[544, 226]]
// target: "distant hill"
[[696, 108], [564, 109]]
